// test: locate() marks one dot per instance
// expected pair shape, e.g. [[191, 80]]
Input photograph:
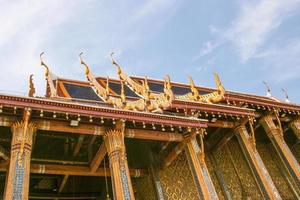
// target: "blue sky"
[[245, 41]]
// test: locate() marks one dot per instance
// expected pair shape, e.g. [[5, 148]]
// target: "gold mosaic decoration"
[[177, 181], [213, 177], [237, 174], [144, 188], [269, 156]]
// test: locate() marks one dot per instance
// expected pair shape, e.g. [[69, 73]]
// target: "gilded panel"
[[269, 157], [236, 171], [250, 187], [214, 178], [144, 188], [177, 181]]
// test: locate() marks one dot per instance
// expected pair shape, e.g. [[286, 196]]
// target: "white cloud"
[[255, 22], [206, 49], [29, 27], [150, 8], [25, 25], [282, 63]]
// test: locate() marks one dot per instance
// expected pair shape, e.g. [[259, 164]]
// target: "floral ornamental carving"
[[114, 139], [22, 140]]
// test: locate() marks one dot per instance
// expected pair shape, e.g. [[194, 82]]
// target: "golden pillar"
[[295, 126], [121, 182], [254, 160], [17, 183], [275, 134], [196, 159]]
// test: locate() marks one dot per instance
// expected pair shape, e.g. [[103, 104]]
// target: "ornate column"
[[275, 134], [254, 160], [156, 183], [17, 183], [196, 159], [295, 126], [121, 183]]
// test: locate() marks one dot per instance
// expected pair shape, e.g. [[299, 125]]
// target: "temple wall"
[[236, 171], [272, 163], [177, 180], [143, 188]]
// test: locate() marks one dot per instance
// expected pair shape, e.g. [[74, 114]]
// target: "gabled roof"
[[151, 95]]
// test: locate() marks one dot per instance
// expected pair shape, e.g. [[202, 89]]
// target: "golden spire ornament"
[[31, 87]]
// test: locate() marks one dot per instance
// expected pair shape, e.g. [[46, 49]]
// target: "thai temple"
[[137, 138]]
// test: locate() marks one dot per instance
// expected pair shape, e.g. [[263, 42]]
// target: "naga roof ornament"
[[164, 100], [153, 101], [136, 87], [213, 97], [49, 77], [31, 86], [103, 93]]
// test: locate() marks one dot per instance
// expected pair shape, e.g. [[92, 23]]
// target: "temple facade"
[[145, 139]]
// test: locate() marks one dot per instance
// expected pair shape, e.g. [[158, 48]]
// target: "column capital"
[[250, 137], [271, 129], [23, 129], [22, 137], [114, 141]]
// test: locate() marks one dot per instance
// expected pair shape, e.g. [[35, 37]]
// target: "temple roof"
[[82, 90], [161, 96]]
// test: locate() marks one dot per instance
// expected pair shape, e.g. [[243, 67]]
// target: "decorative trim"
[[75, 108]]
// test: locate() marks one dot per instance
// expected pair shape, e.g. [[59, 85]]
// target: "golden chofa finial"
[[31, 86], [146, 85], [193, 87], [123, 96], [44, 64], [168, 88], [168, 82], [107, 86], [114, 62], [87, 69], [219, 84]]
